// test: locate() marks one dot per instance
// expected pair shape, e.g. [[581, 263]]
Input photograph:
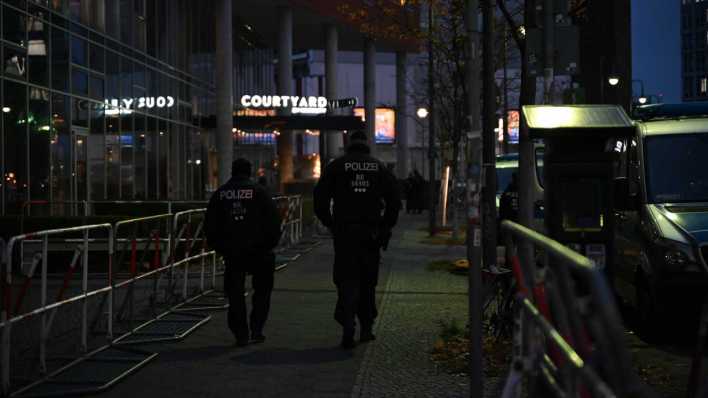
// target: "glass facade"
[[103, 100]]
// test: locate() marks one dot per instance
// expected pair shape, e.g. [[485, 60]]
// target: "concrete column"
[[370, 91], [402, 150], [285, 87], [224, 89], [334, 139]]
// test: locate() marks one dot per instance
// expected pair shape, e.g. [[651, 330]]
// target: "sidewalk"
[[301, 357]]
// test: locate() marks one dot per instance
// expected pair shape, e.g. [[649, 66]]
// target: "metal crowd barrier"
[[141, 247], [147, 287], [290, 208], [88, 207], [46, 309], [568, 335], [190, 236]]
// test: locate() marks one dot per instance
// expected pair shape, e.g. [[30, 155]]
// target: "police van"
[[508, 164], [661, 212]]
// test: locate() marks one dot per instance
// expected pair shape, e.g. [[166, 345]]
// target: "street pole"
[[548, 49], [505, 88], [527, 162], [488, 136], [431, 123], [474, 180]]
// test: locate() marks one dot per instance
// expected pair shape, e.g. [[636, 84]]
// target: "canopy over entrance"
[[294, 122]]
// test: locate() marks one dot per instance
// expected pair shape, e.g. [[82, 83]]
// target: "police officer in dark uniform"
[[509, 200], [361, 187], [243, 226]]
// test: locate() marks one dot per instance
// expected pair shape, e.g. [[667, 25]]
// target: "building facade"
[[102, 99], [108, 100], [694, 43]]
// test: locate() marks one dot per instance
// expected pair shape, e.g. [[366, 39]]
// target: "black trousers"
[[356, 271], [262, 271]]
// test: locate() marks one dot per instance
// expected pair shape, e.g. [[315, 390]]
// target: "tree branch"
[[514, 28]]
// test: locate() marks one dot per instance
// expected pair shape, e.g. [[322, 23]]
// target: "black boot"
[[258, 337], [366, 334], [348, 339]]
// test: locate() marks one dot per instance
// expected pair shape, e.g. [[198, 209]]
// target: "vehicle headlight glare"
[[677, 254]]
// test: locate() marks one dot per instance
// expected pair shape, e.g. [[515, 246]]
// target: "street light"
[[613, 80], [422, 113]]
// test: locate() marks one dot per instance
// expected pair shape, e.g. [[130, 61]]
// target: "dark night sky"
[[656, 47]]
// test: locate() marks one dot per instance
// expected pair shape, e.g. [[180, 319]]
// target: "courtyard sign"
[[295, 103]]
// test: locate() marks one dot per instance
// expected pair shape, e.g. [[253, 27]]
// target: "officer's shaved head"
[[241, 168]]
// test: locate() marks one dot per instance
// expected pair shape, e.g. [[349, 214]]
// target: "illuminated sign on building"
[[297, 104], [309, 105], [126, 106], [513, 117], [385, 124]]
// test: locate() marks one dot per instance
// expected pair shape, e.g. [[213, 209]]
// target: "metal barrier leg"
[[84, 303], [213, 272], [5, 358], [111, 284], [203, 270], [186, 279], [43, 334]]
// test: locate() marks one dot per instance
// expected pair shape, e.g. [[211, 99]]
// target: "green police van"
[[661, 212]]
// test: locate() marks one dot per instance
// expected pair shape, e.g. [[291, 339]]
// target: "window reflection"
[[163, 147], [79, 81], [113, 157], [79, 51], [15, 119], [127, 144], [63, 147], [60, 149], [152, 164], [15, 65], [14, 26], [37, 50], [60, 59], [96, 151], [140, 161]]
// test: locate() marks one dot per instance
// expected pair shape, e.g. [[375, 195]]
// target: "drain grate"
[[96, 372]]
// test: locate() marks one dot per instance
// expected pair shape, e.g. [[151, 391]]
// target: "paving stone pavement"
[[301, 357]]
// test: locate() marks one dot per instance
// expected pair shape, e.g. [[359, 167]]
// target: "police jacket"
[[242, 220], [361, 187], [509, 203]]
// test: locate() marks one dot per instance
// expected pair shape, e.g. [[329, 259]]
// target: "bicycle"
[[499, 289]]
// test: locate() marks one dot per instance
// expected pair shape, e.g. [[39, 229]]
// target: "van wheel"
[[649, 318]]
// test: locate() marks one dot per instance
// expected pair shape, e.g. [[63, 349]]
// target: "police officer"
[[509, 201], [361, 187], [243, 226]]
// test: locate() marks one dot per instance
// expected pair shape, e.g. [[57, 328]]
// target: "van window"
[[676, 168]]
